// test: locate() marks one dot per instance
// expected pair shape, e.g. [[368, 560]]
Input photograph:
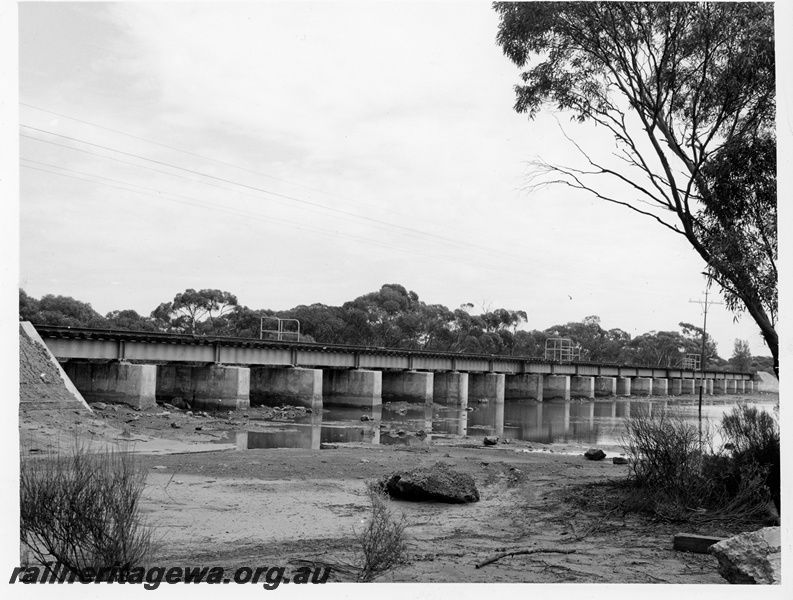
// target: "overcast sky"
[[293, 153]]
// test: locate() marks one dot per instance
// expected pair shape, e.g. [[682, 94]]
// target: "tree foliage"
[[191, 307], [688, 92], [741, 359]]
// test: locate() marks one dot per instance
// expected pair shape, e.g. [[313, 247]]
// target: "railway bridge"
[[140, 368]]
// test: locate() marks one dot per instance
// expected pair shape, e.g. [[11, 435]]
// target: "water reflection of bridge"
[[574, 422]]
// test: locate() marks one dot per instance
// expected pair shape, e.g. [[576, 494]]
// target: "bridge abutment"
[[450, 388], [116, 382], [486, 386], [407, 386], [556, 386], [352, 387], [291, 386], [523, 386]]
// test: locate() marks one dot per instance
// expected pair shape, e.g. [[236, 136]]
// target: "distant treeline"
[[394, 317]]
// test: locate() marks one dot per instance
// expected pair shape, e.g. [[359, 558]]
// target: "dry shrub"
[[383, 540], [83, 509], [675, 473], [754, 435]]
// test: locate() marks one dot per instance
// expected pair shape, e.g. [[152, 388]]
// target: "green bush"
[[83, 509]]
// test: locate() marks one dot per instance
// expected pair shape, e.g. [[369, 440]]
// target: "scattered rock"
[[325, 446], [421, 433], [365, 418], [438, 482], [483, 400], [180, 403], [594, 454], [619, 460], [176, 425], [490, 440], [99, 406], [754, 557], [160, 467], [401, 432], [199, 428]]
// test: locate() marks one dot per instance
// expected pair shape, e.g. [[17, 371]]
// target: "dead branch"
[[516, 552]]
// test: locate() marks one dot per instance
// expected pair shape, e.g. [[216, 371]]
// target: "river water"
[[592, 423]]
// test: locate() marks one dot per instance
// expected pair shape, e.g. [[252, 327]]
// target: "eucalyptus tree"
[[687, 90]]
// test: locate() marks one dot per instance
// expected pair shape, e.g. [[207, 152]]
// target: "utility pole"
[[702, 358]]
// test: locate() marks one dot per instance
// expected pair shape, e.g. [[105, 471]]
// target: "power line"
[[239, 212], [432, 237], [228, 164], [410, 231], [247, 214]]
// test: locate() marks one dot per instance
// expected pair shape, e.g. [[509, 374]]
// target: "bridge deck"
[[69, 343]]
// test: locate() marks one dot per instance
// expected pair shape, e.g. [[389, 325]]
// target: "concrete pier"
[[523, 386], [290, 386], [675, 387], [486, 386], [623, 386], [450, 388], [719, 386], [352, 387], [119, 382], [212, 387], [219, 386], [660, 386], [642, 386], [407, 386], [730, 386], [740, 386], [582, 387], [556, 386], [709, 387], [605, 386], [748, 387], [687, 386]]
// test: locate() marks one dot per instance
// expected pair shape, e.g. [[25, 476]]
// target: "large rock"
[[594, 454], [438, 482], [753, 557]]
